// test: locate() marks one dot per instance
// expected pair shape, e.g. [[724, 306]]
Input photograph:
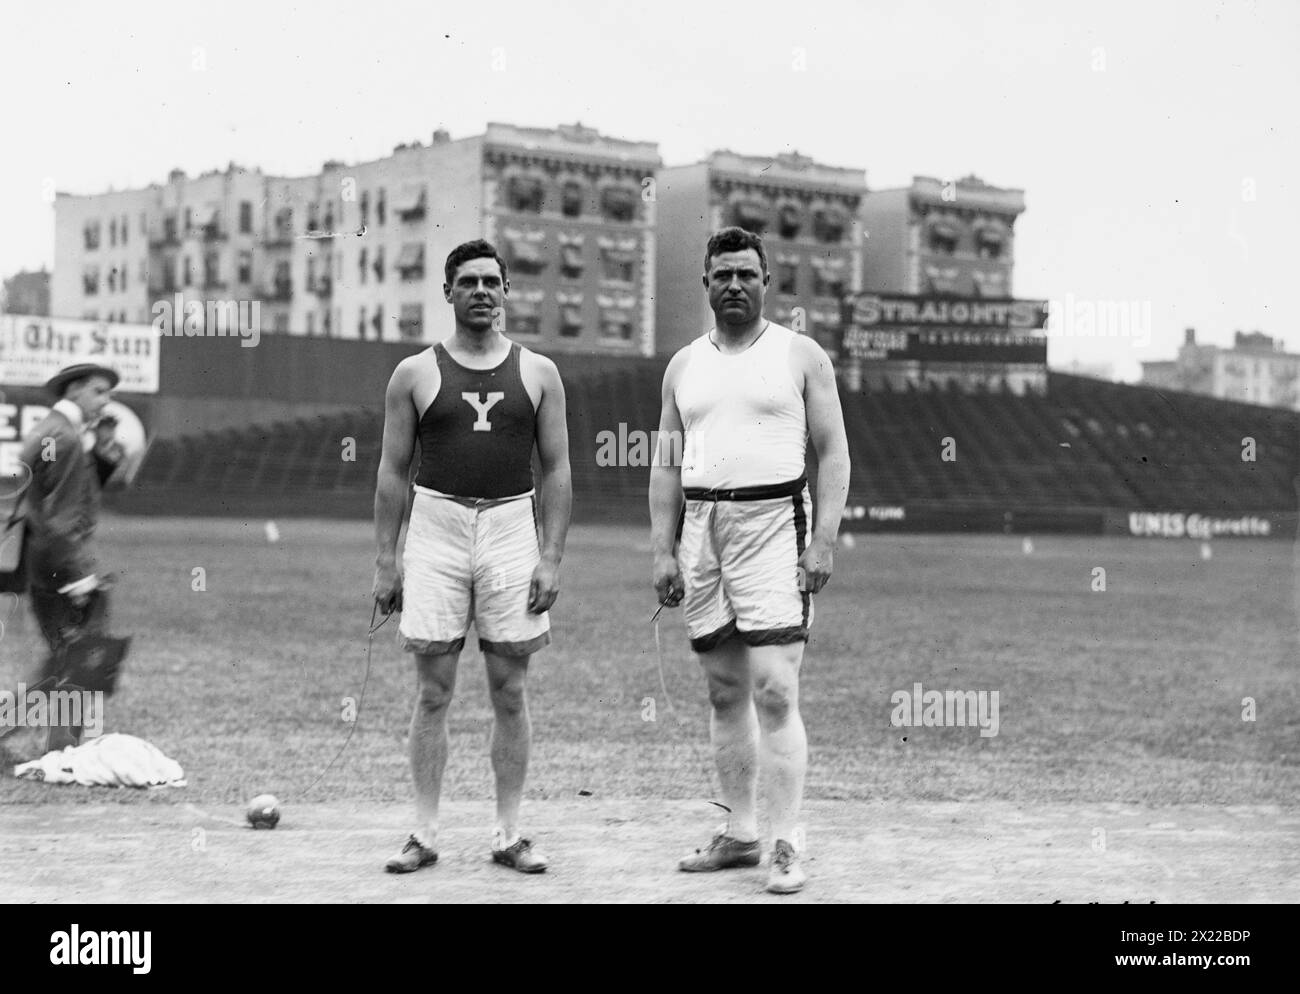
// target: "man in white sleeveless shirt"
[[732, 539]]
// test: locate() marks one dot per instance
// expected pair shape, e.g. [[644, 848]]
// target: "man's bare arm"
[[829, 440], [666, 489], [391, 484], [555, 494]]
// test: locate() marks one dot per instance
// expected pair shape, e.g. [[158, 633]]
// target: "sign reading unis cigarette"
[[32, 349]]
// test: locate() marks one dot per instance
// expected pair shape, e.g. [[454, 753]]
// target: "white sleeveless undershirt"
[[744, 417]]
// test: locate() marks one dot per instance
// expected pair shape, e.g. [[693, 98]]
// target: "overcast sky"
[[1156, 142]]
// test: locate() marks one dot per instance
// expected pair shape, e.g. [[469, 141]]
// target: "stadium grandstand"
[[1084, 453]]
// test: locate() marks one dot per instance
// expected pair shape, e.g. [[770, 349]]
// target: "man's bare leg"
[[782, 741], [733, 729], [511, 738], [435, 686]]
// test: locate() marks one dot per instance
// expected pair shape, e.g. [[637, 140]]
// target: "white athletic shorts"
[[740, 563], [464, 563]]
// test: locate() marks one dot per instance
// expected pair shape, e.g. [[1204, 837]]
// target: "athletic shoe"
[[411, 858], [520, 857], [723, 853], [785, 875]]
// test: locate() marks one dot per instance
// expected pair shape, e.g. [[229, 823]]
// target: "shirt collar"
[[72, 412]]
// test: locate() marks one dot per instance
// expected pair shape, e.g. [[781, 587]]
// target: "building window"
[[365, 207], [189, 272], [377, 322], [361, 265], [942, 235], [112, 232], [571, 265], [90, 281], [380, 210], [616, 326], [524, 322], [828, 278], [411, 205], [618, 203], [245, 217], [786, 277], [125, 228], [788, 222], [112, 281], [189, 220], [327, 326], [411, 322], [361, 322], [571, 199], [379, 264], [329, 215], [245, 266], [283, 280], [525, 257], [617, 265], [123, 281], [829, 226], [313, 216], [410, 263], [311, 273], [90, 235], [525, 194], [751, 215], [570, 321], [169, 228], [211, 269]]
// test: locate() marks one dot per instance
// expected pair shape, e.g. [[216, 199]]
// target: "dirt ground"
[[625, 851]]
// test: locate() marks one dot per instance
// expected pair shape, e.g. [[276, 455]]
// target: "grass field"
[[1128, 695]]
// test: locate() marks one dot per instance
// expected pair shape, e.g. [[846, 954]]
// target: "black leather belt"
[[769, 492]]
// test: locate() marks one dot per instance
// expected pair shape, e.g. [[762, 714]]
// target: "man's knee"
[[508, 699], [776, 699], [726, 693], [433, 697]]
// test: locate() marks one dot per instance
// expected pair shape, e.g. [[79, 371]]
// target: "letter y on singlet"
[[483, 424]]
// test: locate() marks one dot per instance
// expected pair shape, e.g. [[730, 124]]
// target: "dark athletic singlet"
[[476, 438]]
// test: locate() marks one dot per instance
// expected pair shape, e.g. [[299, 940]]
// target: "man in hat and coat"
[[62, 508]]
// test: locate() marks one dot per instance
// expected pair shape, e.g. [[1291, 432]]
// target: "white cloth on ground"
[[113, 760]]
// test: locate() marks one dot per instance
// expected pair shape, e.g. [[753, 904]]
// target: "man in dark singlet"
[[475, 405]]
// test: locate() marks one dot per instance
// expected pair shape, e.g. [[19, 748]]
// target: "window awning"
[[944, 228], [826, 264], [571, 256], [528, 252], [571, 316], [944, 280], [411, 256], [989, 231], [206, 215], [618, 198], [411, 198], [791, 218], [751, 214], [618, 255]]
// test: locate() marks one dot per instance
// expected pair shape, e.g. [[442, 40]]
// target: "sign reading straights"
[[900, 310], [32, 349]]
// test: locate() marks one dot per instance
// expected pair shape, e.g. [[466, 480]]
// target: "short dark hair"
[[734, 240], [477, 249]]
